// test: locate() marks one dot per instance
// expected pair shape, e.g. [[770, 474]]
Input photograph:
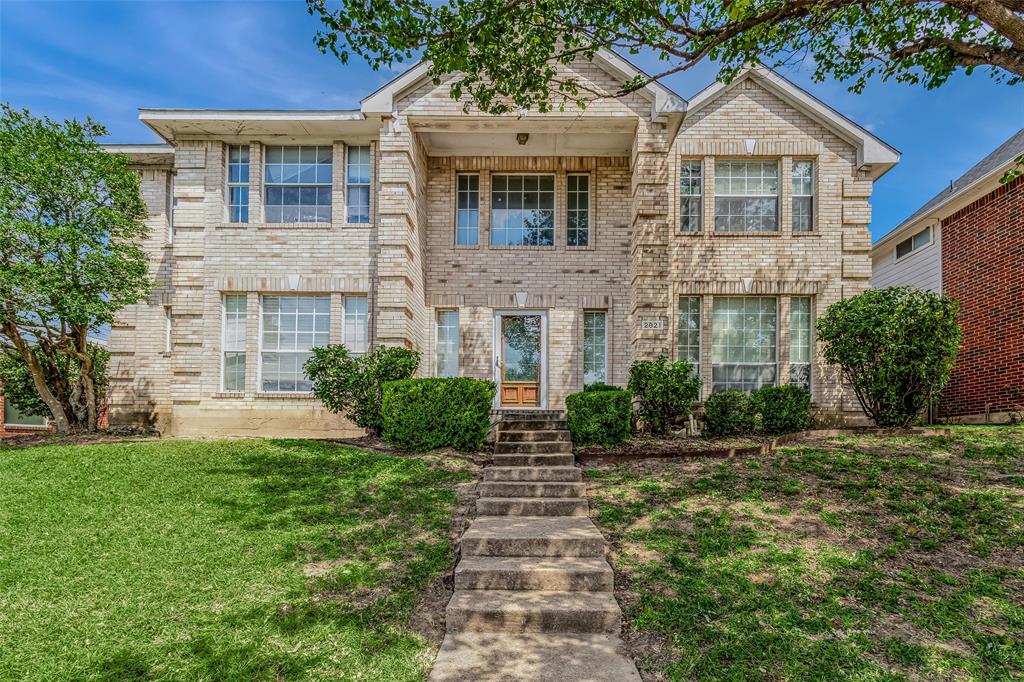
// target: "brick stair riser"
[[534, 460], [531, 489], [537, 506], [537, 474], [501, 448], [532, 436]]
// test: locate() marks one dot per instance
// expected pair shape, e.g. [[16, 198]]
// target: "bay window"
[[746, 196], [743, 343]]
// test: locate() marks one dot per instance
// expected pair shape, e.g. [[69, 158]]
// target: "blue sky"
[[106, 59]]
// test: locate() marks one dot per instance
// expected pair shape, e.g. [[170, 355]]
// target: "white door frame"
[[496, 361]]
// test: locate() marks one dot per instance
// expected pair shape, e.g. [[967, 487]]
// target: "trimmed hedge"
[[729, 413], [424, 414], [599, 416], [783, 409]]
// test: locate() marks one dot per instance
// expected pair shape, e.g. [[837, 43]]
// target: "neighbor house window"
[[746, 196], [298, 181], [357, 329], [911, 244], [800, 341], [238, 183], [595, 347], [743, 343], [803, 196], [688, 332], [691, 196], [291, 326], [357, 184], [578, 210], [15, 417], [467, 213], [233, 343], [522, 210], [447, 343]]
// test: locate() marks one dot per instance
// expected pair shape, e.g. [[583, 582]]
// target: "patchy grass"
[[229, 560], [865, 558]]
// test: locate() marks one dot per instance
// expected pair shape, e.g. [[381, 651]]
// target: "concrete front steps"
[[533, 592]]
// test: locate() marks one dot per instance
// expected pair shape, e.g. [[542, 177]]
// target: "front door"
[[520, 360]]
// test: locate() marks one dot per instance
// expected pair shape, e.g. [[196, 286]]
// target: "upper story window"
[[467, 212], [911, 244], [238, 183], [578, 210], [298, 181], [357, 184], [803, 196], [522, 210], [746, 196], [691, 196]]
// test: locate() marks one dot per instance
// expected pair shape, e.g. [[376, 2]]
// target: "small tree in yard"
[[896, 346], [71, 219], [665, 391], [354, 384]]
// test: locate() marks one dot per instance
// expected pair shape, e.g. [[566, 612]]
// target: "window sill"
[[284, 395], [467, 247], [588, 247], [811, 233], [293, 226], [26, 427], [522, 247], [229, 395]]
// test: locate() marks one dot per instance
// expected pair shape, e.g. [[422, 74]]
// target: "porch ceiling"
[[552, 135]]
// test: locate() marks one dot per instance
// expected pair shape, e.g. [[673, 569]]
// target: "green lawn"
[[227, 560], [851, 558]]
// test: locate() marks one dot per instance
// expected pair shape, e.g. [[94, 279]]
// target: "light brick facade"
[[407, 263]]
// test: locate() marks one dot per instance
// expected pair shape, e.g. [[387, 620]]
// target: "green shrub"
[[729, 413], [783, 409], [424, 414], [665, 391], [353, 384], [599, 416], [895, 346], [598, 386]]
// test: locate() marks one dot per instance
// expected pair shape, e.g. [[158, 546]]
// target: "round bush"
[[665, 391], [424, 414], [783, 409], [729, 413], [599, 416]]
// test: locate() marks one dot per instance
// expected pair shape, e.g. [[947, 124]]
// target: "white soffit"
[[264, 125]]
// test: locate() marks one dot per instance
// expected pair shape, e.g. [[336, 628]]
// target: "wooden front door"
[[520, 360]]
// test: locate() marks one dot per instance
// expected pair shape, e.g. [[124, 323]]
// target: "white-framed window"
[[238, 183], [522, 210], [447, 345], [356, 324], [290, 327], [803, 196], [744, 343], [800, 341], [746, 196], [357, 184], [912, 244], [595, 347], [169, 208], [298, 184], [15, 417], [168, 330], [467, 212], [577, 209], [691, 195], [688, 332], [233, 343]]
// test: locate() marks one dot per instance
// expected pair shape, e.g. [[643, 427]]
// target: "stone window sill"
[[284, 396], [229, 395]]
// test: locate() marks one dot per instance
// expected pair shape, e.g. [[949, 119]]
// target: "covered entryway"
[[521, 359]]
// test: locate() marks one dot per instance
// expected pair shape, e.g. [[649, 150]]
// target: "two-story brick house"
[[541, 251]]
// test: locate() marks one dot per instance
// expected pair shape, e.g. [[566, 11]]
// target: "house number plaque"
[[653, 325]]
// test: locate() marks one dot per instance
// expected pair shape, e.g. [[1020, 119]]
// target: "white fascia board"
[[154, 148], [249, 115], [383, 100], [665, 100]]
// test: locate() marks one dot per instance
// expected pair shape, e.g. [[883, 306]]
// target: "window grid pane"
[[233, 342], [291, 327], [357, 193], [238, 183], [800, 341], [595, 360], [356, 327], [691, 192], [447, 351], [578, 210], [743, 343], [746, 196], [803, 196], [688, 332], [298, 184], [467, 213], [522, 210]]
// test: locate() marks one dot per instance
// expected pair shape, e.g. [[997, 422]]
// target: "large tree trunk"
[[86, 377], [60, 419]]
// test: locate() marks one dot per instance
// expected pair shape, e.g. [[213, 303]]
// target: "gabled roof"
[[665, 101], [872, 152], [982, 178]]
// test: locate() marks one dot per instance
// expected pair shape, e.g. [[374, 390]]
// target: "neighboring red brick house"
[[968, 242], [15, 423]]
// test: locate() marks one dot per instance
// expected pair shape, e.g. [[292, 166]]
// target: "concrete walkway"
[[533, 592]]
